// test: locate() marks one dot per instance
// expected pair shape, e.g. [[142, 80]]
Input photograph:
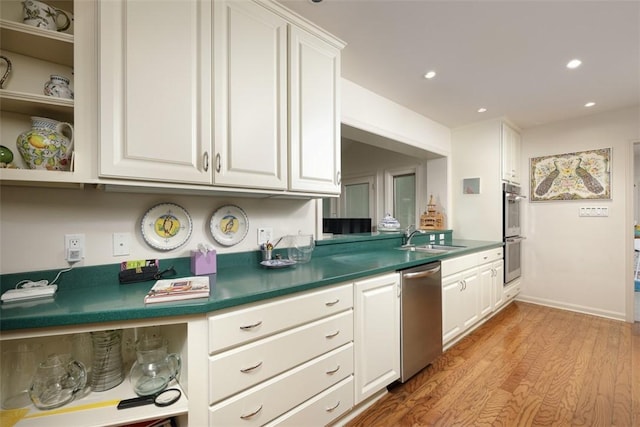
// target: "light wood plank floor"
[[527, 366]]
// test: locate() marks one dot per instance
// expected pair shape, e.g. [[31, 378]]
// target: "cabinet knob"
[[218, 163], [205, 160], [332, 303], [338, 178]]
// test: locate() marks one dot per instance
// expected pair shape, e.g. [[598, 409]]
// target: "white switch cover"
[[265, 234], [121, 243]]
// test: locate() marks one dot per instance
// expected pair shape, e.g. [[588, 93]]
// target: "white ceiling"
[[507, 56]]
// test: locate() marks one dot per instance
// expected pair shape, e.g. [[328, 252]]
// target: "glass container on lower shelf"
[[107, 370]]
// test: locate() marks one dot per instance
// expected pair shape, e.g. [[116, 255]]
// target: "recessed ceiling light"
[[574, 63], [481, 110], [590, 104], [430, 75]]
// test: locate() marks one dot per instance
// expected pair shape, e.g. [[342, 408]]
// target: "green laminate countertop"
[[96, 296]]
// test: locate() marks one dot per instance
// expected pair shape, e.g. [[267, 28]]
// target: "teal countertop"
[[93, 294]]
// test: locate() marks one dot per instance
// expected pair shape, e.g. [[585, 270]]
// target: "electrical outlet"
[[265, 234], [74, 247]]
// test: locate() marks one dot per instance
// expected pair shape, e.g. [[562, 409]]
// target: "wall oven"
[[512, 232]]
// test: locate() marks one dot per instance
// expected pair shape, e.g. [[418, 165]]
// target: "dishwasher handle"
[[420, 274]]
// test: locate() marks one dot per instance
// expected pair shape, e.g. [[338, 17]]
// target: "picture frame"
[[471, 186], [571, 176]]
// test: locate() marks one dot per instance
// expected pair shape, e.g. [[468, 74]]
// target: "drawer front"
[[458, 264], [238, 326], [511, 291], [322, 409], [243, 367], [272, 398], [490, 255]]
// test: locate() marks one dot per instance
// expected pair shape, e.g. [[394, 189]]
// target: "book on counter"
[[178, 289]]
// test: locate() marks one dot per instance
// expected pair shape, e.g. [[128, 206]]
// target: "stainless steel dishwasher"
[[420, 318]]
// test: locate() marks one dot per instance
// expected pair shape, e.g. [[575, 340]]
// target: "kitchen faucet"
[[408, 234]]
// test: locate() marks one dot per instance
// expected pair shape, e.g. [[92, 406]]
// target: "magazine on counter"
[[178, 289]]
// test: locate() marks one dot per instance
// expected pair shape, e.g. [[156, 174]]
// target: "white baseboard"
[[572, 307]]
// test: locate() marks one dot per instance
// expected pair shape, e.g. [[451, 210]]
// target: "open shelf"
[[48, 45], [36, 105], [99, 409]]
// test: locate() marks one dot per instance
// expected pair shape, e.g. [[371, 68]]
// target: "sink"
[[431, 248]]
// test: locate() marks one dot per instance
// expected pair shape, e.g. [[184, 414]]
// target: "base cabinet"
[[377, 334], [272, 362], [471, 289], [460, 303]]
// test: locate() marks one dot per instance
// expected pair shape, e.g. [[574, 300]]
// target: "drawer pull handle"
[[333, 371], [251, 368], [248, 327], [333, 334], [254, 413], [333, 408], [332, 303]]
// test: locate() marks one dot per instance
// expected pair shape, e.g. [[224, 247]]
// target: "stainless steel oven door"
[[512, 259], [512, 214]]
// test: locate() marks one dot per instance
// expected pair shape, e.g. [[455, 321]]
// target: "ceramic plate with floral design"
[[166, 226], [229, 225]]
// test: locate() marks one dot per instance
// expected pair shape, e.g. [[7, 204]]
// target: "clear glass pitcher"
[[56, 381], [154, 368]]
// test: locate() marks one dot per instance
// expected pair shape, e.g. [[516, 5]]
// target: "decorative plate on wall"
[[229, 225], [166, 226]]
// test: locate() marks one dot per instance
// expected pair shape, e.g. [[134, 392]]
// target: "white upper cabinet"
[[155, 86], [315, 114], [510, 152], [250, 96], [225, 93]]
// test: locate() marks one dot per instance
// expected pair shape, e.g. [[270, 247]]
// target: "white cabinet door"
[[250, 96], [486, 278], [377, 334], [470, 304], [314, 72], [498, 284], [460, 303], [511, 142], [155, 74], [451, 312]]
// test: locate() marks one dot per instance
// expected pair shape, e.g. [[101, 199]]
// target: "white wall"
[[581, 263], [363, 109], [33, 222], [476, 154]]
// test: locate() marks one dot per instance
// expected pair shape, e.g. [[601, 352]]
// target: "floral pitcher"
[[45, 146]]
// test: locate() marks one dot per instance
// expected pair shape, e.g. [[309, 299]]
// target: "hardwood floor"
[[527, 366]]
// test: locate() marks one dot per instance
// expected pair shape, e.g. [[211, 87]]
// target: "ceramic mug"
[[41, 15]]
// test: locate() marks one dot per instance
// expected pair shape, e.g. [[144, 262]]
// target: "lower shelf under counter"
[[96, 409]]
